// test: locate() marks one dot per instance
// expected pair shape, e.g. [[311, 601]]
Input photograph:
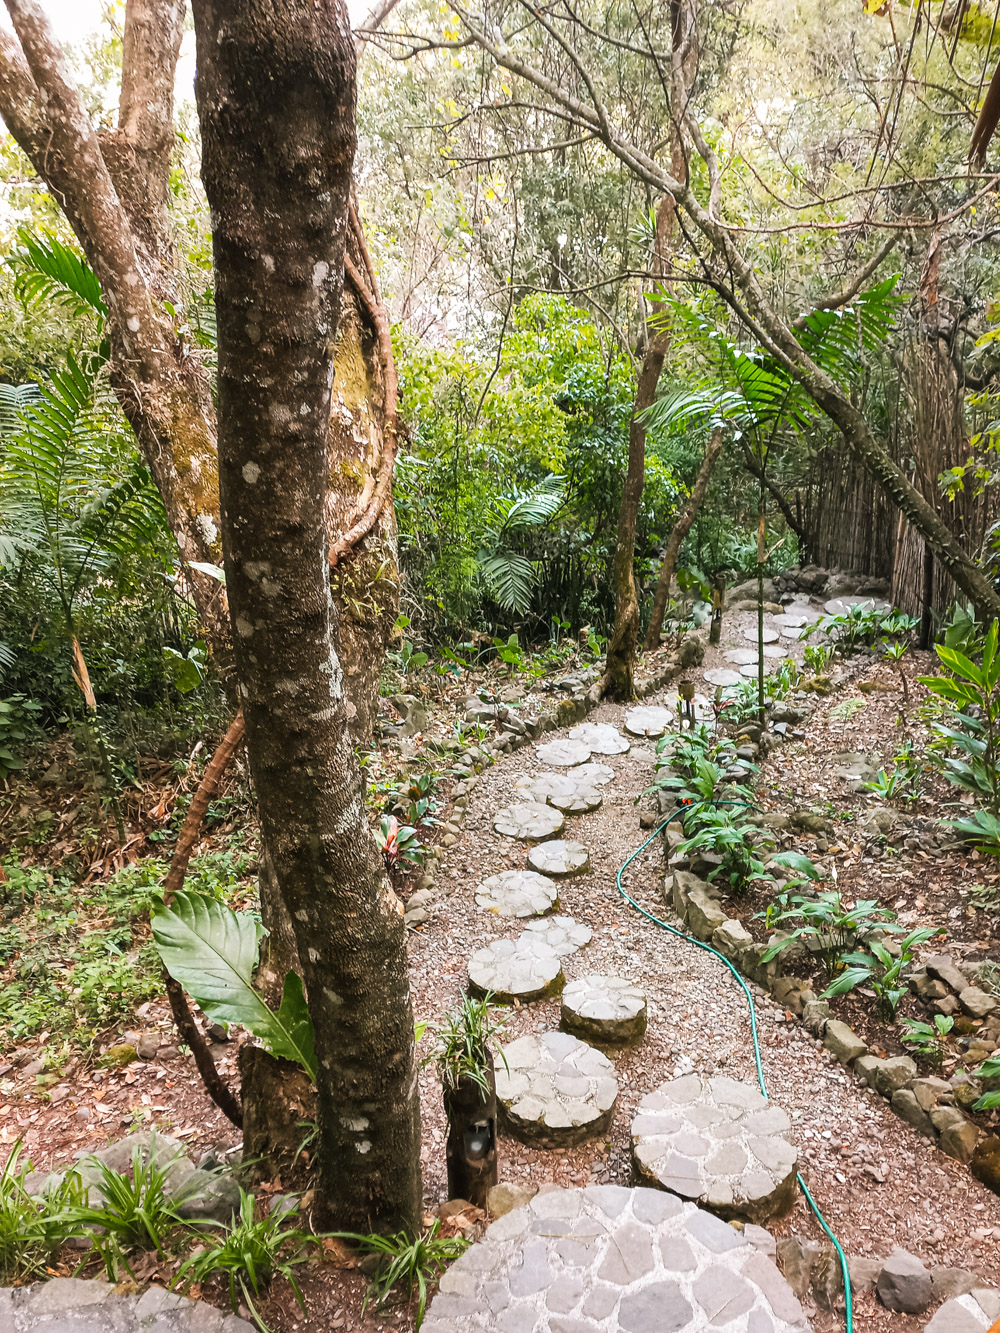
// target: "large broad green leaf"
[[212, 951]]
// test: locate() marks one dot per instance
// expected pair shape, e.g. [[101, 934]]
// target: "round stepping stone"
[[608, 1010], [565, 792], [609, 1258], [530, 822], [770, 635], [722, 676], [792, 632], [790, 620], [719, 1142], [775, 650], [559, 858], [594, 775], [523, 969], [602, 737], [561, 934], [563, 753], [649, 721], [555, 1090], [751, 672], [741, 656], [519, 893]]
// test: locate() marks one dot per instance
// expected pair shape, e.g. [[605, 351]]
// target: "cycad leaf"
[[48, 270], [511, 579], [212, 951]]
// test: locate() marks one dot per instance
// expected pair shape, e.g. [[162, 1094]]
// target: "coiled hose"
[[700, 944]]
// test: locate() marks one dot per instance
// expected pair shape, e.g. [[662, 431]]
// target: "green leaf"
[[212, 951], [847, 981], [796, 861]]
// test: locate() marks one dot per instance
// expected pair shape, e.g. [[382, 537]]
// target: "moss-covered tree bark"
[[275, 92]]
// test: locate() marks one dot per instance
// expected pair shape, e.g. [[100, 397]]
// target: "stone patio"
[[612, 1260]]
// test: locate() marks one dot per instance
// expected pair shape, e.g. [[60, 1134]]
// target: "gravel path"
[[877, 1181]]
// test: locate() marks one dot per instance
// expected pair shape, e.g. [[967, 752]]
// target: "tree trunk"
[[681, 529], [618, 681], [275, 93]]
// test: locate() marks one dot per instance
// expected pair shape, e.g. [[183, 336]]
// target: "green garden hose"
[[700, 944]]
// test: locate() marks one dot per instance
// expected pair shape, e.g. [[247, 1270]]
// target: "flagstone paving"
[[76, 1305], [529, 822], [523, 969], [649, 720], [719, 1142], [520, 893], [554, 1090], [561, 934], [611, 1258], [559, 858], [568, 792], [608, 1010], [602, 737], [563, 753]]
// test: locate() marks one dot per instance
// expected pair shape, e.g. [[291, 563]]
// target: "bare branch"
[[835, 301]]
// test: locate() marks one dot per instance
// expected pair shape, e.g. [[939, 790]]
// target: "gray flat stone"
[[718, 1142], [572, 795], [838, 606], [752, 672], [592, 775], [559, 858], [523, 969], [769, 636], [531, 821], [555, 1090], [601, 737], [649, 720], [741, 656], [561, 934], [608, 1010], [563, 753], [519, 893], [613, 1260], [970, 1313], [78, 1305], [722, 676]]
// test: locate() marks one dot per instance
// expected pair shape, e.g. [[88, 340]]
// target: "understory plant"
[[880, 971], [989, 1101], [400, 844], [410, 1263], [928, 1039], [825, 925], [970, 695], [462, 1049], [251, 1253], [32, 1228], [726, 832]]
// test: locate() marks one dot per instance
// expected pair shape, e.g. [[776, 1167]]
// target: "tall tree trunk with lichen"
[[275, 93]]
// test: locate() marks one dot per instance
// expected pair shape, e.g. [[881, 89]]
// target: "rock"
[[76, 1305], [528, 822], [928, 1091], [704, 913], [563, 753], [973, 1312], [718, 1142], [810, 821], [863, 1273], [605, 1010], [517, 893], [564, 791], [147, 1046], [122, 1054], [209, 1196], [559, 858], [942, 966], [952, 1282], [524, 969], [906, 1106], [816, 1015], [732, 939], [554, 1090], [605, 1257], [904, 1284], [843, 1043], [896, 1072], [504, 1198], [976, 1002], [691, 652], [985, 1164]]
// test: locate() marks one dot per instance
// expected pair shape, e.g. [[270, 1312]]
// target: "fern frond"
[[536, 507]]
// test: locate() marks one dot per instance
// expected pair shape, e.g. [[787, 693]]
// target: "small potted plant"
[[462, 1054]]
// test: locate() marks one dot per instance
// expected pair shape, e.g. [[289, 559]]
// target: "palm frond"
[[510, 579], [46, 270], [14, 400], [535, 507]]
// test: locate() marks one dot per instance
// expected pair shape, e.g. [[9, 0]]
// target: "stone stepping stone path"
[[719, 1142], [722, 676], [561, 934], [793, 631], [76, 1305], [556, 1090], [602, 737], [751, 672], [529, 822], [650, 721], [563, 753], [770, 635], [563, 791], [559, 858], [609, 1258], [610, 1011], [593, 775], [519, 893], [524, 969], [741, 656], [972, 1313], [791, 620]]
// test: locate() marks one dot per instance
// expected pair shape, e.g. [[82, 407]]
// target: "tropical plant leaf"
[[212, 951], [47, 270], [510, 578]]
